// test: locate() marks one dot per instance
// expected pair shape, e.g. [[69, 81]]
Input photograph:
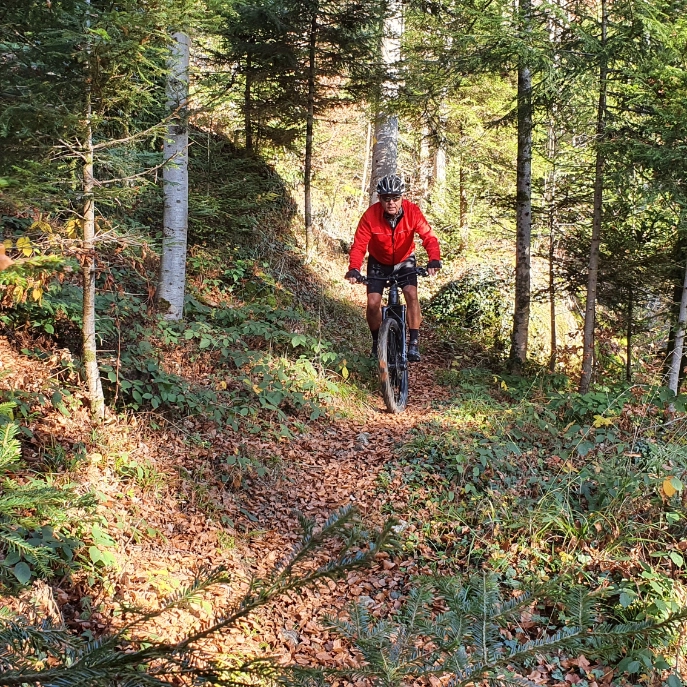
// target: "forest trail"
[[333, 465]]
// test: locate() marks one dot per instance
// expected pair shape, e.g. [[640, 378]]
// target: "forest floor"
[[477, 475], [169, 515]]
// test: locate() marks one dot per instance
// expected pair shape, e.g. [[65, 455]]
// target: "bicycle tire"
[[393, 372]]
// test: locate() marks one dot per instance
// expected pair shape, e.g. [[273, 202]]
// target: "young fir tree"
[[80, 82]]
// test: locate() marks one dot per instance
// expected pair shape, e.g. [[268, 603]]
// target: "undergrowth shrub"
[[547, 484], [478, 303], [37, 519], [476, 631]]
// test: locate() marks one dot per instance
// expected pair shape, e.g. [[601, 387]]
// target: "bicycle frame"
[[393, 371], [394, 308]]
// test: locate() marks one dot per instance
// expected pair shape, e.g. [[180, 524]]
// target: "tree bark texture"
[[521, 313], [309, 131], [172, 284], [550, 200], [679, 341], [593, 269], [385, 142]]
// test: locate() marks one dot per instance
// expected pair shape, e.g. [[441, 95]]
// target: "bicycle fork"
[[397, 311]]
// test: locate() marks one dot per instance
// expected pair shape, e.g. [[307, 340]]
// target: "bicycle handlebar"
[[421, 271]]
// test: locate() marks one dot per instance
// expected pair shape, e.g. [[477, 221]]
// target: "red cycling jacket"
[[392, 246]]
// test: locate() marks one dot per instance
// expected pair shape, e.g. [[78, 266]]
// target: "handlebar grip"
[[422, 271]]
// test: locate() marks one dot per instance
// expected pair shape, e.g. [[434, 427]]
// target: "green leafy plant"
[[35, 517]]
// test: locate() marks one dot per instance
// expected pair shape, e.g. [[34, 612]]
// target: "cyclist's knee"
[[374, 301], [410, 294]]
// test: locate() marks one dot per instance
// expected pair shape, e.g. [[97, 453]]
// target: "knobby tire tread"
[[394, 385]]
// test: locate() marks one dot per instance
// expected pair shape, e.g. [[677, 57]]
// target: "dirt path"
[[331, 466]]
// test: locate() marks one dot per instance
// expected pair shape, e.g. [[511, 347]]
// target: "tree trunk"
[[426, 165], [385, 146], [440, 164], [593, 270], [628, 350], [521, 314], [309, 130], [463, 202], [247, 105], [88, 333], [550, 199], [90, 351], [384, 151], [679, 342], [172, 284], [366, 165], [553, 354]]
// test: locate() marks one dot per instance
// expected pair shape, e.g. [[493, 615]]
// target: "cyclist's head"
[[391, 185]]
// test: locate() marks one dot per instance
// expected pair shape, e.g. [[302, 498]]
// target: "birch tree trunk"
[[309, 131], [90, 351], [385, 142], [593, 269], [248, 104], [172, 285], [679, 342], [440, 164], [521, 313]]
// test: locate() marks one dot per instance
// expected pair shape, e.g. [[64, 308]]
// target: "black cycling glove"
[[353, 274], [434, 265]]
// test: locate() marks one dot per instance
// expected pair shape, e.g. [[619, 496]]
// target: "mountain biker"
[[387, 230]]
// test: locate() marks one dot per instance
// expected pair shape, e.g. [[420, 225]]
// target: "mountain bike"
[[392, 347]]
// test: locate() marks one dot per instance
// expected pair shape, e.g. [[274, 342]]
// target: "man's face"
[[391, 204]]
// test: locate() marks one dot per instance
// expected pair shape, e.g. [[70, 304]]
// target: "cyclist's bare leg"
[[374, 311], [413, 304]]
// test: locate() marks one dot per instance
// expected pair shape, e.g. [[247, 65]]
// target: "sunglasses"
[[388, 199]]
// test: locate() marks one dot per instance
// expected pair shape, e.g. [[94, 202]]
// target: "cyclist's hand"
[[433, 267], [353, 276]]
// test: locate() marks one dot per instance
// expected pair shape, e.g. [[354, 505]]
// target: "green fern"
[[466, 639]]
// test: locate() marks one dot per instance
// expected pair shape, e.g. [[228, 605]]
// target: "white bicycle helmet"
[[391, 185]]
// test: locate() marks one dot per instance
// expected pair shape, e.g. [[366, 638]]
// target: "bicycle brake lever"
[[422, 271]]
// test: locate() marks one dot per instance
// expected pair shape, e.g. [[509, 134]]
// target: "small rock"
[[401, 527], [291, 636], [363, 439], [365, 600]]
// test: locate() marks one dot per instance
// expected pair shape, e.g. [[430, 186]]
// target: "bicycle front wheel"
[[393, 369]]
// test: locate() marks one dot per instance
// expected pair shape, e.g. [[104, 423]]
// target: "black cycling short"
[[403, 269]]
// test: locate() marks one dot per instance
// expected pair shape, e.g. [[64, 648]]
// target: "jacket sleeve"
[[359, 247], [429, 239]]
